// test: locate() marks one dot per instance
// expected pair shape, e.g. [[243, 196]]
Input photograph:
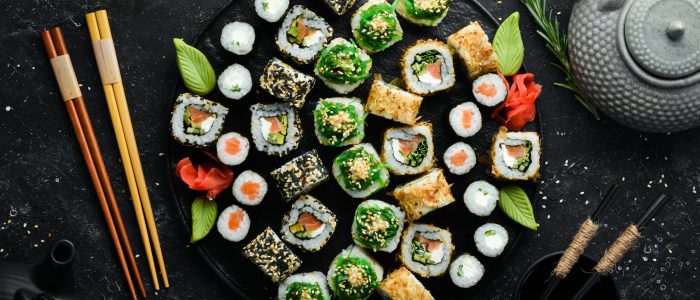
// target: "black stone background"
[[44, 183]]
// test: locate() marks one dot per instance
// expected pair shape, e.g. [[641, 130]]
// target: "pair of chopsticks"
[[105, 55], [70, 91]]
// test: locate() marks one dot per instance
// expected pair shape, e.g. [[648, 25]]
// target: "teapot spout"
[[55, 274]]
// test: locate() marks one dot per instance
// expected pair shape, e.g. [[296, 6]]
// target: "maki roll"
[[481, 198], [489, 89], [424, 194], [271, 10], [304, 286], [339, 121], [272, 256], [375, 26], [427, 67], [472, 45], [459, 158], [423, 12], [409, 150], [303, 34], [308, 225], [299, 175], [359, 171], [401, 285], [235, 82], [390, 102], [233, 223], [354, 274], [465, 119], [238, 38], [491, 239], [377, 226], [466, 271], [196, 121], [426, 250], [515, 155], [286, 83], [339, 7], [232, 148], [249, 188], [343, 66], [276, 128]]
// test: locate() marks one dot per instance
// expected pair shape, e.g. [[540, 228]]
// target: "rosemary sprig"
[[557, 42]]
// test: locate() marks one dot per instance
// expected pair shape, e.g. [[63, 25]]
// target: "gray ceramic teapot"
[[639, 60]]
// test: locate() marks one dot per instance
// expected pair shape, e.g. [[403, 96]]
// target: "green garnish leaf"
[[489, 232], [361, 267], [508, 46], [437, 10], [343, 63], [303, 291], [373, 38], [368, 233], [460, 271], [235, 88], [204, 213], [195, 69], [265, 5], [514, 202]]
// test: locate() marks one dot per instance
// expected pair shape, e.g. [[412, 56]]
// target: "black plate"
[[225, 257]]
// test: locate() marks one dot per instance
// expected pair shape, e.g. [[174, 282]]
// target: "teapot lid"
[[663, 36]]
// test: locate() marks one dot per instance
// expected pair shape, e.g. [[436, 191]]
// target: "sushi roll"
[[272, 256], [302, 35], [235, 82], [232, 148], [339, 7], [354, 274], [276, 128], [390, 102], [402, 285], [308, 224], [343, 66], [515, 155], [465, 119], [377, 226], [491, 239], [233, 223], [409, 150], [249, 188], [339, 121], [423, 12], [299, 175], [424, 194], [304, 286], [271, 10], [359, 171], [481, 198], [286, 83], [426, 249], [196, 121], [472, 46], [375, 26], [459, 158], [238, 38], [466, 271], [427, 67], [489, 89]]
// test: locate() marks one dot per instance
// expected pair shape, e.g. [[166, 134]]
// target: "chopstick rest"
[[65, 77]]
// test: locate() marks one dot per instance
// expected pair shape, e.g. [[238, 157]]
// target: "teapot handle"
[[610, 5]]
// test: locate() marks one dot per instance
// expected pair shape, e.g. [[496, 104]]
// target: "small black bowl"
[[535, 279]]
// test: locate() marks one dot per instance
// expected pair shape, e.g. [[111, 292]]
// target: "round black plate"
[[225, 257]]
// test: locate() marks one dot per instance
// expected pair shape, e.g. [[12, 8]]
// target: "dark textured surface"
[[43, 181]]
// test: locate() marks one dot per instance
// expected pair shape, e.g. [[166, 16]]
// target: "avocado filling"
[[410, 152], [307, 226], [375, 226], [517, 157], [299, 33], [303, 291], [427, 67], [274, 129], [427, 251], [197, 121]]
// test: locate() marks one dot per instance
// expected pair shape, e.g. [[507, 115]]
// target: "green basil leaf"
[[508, 45], [195, 69], [514, 202], [204, 212]]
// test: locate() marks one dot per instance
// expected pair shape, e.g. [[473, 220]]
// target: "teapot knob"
[[675, 30]]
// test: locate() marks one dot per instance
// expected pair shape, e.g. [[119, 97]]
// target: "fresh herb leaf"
[[514, 202], [195, 69], [508, 46], [204, 213]]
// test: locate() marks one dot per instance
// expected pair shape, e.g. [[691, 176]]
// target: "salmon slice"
[[487, 89], [517, 151], [303, 30], [309, 221], [430, 245], [233, 146], [235, 218], [408, 146], [250, 189], [434, 70], [197, 116], [459, 158], [275, 124], [467, 119]]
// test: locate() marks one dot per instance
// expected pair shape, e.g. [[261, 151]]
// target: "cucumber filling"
[[274, 129], [410, 152], [427, 251], [427, 67], [517, 157]]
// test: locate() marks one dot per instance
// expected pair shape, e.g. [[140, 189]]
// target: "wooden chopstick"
[[56, 47], [99, 28]]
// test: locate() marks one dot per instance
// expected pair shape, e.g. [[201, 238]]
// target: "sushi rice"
[[309, 224], [377, 226], [359, 172], [409, 150], [271, 10], [355, 260], [427, 67], [489, 89], [491, 239], [235, 82], [196, 121], [299, 286], [303, 46], [249, 188], [426, 249], [466, 271], [275, 128], [232, 148], [465, 119], [459, 158], [238, 38], [481, 198], [233, 223]]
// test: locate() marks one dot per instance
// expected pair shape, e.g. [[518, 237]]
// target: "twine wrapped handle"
[[584, 235], [618, 249]]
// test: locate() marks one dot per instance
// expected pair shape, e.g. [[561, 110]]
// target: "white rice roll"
[[235, 82], [271, 10], [489, 89], [459, 158], [466, 271], [232, 148], [465, 119], [238, 38], [441, 256], [249, 188], [481, 198], [233, 223], [310, 278], [491, 239]]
